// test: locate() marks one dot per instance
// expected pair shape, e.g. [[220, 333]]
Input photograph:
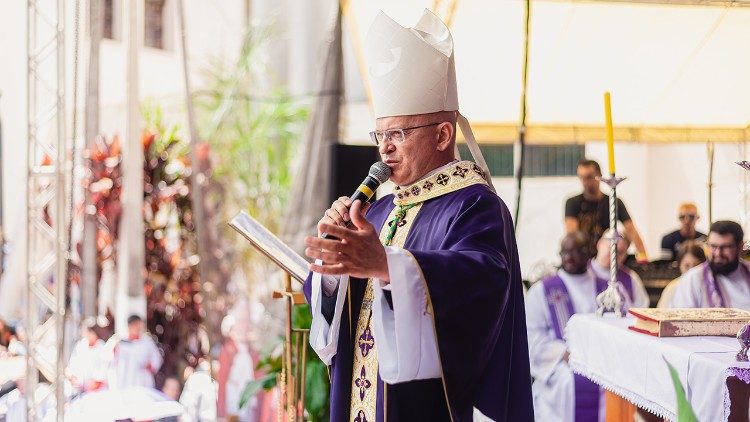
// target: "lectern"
[[291, 380]]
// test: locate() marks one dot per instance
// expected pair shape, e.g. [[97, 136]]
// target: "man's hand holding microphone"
[[347, 242]]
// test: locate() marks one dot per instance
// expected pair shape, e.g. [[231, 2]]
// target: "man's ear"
[[446, 133]]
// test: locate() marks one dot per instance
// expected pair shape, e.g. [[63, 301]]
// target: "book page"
[[270, 245]]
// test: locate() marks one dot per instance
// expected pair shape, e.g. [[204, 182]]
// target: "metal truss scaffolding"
[[46, 248]]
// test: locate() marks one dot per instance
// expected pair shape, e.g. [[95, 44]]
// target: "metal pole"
[[46, 211], [31, 322], [290, 402], [519, 149], [614, 236], [131, 248], [303, 373], [710, 185], [2, 226], [91, 131], [62, 163], [611, 299], [198, 180], [298, 407]]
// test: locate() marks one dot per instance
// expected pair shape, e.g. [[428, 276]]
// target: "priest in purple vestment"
[[559, 394], [417, 302]]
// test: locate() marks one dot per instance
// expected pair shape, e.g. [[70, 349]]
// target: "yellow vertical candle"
[[610, 133]]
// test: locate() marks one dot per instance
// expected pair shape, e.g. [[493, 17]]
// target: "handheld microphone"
[[379, 173]]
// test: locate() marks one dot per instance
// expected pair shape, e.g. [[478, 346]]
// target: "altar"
[[632, 366]]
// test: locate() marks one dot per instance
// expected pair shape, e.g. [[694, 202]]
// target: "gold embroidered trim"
[[450, 179], [363, 399]]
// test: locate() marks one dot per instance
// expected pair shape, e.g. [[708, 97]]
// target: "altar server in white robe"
[[88, 362], [135, 359], [724, 279], [559, 394]]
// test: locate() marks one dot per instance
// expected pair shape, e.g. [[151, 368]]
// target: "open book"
[[684, 322], [270, 245]]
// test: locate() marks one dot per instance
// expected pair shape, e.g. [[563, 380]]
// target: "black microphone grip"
[[364, 192]]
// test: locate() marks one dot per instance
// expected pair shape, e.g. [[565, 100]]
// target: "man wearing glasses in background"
[[723, 281], [670, 243], [589, 211]]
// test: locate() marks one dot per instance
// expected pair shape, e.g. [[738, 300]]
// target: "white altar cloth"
[[631, 365]]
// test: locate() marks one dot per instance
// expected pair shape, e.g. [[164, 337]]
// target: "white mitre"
[[412, 71]]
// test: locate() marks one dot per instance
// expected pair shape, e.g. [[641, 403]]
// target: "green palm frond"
[[685, 411]]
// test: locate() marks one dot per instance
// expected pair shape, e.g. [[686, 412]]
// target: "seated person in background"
[[87, 366], [670, 243], [690, 254], [589, 211], [560, 395], [723, 281], [631, 284]]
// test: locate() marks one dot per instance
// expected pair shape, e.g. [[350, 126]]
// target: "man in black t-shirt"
[[688, 215], [589, 211]]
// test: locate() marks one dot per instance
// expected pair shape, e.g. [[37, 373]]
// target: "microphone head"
[[380, 172]]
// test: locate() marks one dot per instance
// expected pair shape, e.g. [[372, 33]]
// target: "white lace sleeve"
[[324, 336]]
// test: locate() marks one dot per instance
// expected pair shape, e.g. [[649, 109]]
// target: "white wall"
[[215, 31]]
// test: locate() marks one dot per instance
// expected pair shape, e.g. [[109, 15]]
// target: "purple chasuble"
[[464, 243]]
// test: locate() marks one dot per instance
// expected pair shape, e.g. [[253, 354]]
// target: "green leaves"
[[316, 380], [267, 382], [316, 396], [684, 409]]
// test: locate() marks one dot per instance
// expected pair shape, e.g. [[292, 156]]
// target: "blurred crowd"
[[104, 375]]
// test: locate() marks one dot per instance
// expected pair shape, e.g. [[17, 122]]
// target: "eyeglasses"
[[715, 247], [688, 216], [396, 135]]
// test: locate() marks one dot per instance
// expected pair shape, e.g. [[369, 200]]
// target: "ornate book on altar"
[[684, 322]]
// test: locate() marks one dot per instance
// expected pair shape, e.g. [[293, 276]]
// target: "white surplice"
[[690, 293], [407, 347], [554, 388], [199, 397], [87, 363], [135, 362]]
